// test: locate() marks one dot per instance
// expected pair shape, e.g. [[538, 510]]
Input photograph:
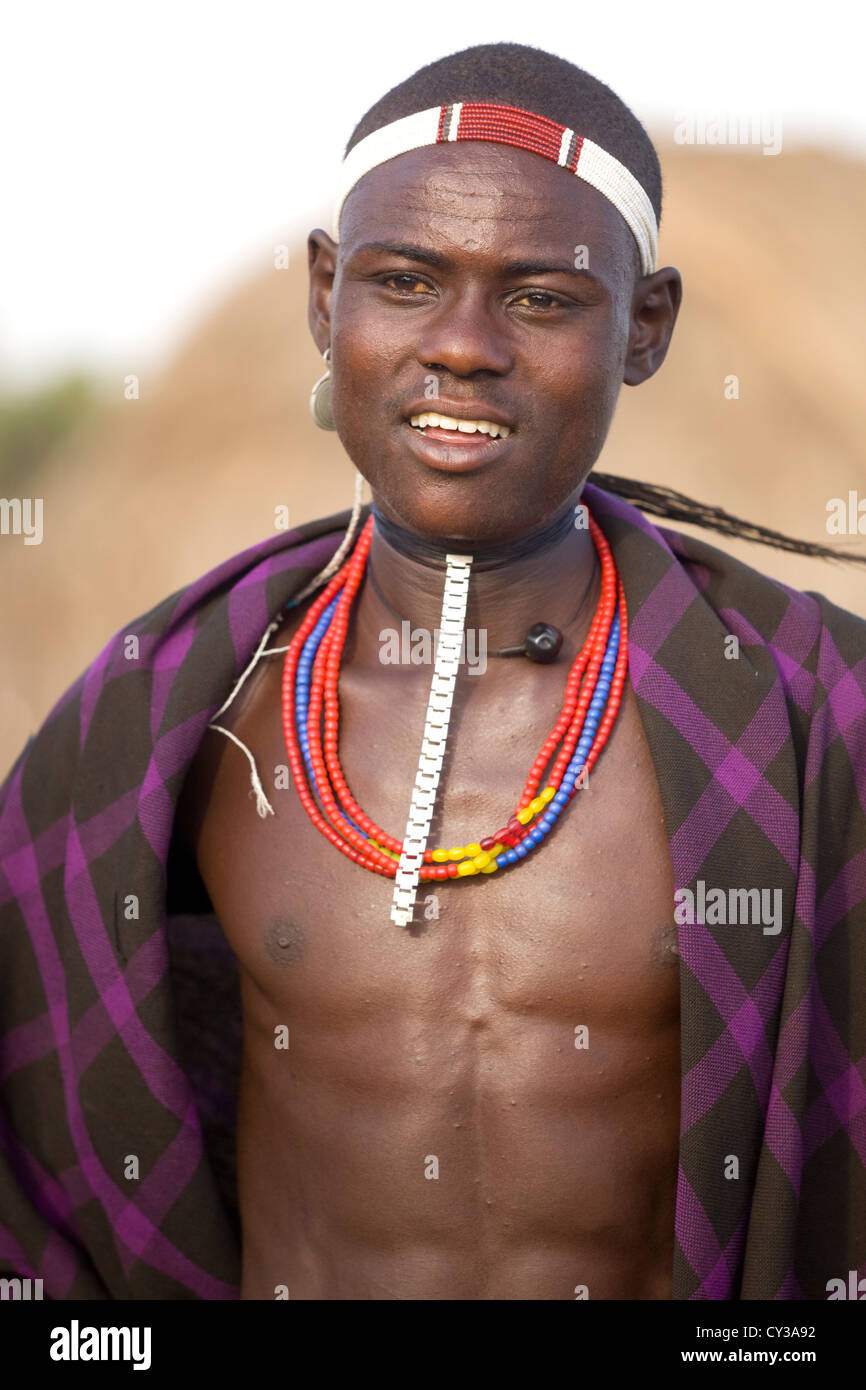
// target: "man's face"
[[482, 282]]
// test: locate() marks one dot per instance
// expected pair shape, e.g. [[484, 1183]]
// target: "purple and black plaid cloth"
[[119, 1009]]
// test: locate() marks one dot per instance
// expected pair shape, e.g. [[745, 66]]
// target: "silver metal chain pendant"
[[446, 666]]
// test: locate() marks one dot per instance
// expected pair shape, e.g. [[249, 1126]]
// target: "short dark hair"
[[514, 74]]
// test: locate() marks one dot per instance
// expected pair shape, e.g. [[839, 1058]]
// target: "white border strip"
[[619, 185], [409, 133]]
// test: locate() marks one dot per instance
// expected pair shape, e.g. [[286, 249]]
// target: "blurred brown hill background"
[[149, 493]]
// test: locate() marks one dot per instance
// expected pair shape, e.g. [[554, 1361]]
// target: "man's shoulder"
[[688, 592], [817, 647], [777, 610]]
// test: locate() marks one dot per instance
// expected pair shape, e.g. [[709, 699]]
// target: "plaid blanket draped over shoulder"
[[116, 1114]]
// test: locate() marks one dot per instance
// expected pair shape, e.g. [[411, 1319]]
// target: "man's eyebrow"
[[410, 252]]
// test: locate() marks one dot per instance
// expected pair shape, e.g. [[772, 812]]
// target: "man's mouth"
[[445, 425]]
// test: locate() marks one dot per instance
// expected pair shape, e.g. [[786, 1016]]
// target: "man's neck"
[[550, 575]]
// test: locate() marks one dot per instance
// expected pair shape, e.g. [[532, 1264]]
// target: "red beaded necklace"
[[312, 741]]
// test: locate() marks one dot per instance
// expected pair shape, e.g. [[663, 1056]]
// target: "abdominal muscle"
[[486, 1157]]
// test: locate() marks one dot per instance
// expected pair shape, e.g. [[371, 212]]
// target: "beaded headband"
[[508, 125]]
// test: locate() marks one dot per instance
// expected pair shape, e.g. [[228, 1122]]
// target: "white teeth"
[[449, 422]]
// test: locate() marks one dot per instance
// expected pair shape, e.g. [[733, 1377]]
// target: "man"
[[624, 1067]]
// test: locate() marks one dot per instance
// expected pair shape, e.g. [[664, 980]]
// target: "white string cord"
[[263, 806], [337, 559], [259, 652]]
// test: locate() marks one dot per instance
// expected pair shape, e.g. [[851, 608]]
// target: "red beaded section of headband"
[[508, 125]]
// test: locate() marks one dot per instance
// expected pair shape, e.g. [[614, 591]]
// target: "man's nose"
[[465, 335]]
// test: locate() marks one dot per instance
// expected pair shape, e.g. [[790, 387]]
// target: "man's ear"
[[322, 261], [655, 305]]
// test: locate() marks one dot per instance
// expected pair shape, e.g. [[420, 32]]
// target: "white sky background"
[[151, 154]]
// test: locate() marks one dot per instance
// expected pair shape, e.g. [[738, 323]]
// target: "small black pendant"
[[542, 643]]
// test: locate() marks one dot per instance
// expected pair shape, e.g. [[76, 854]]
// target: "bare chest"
[[586, 918]]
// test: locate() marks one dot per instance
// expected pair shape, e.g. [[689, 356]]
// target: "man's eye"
[[406, 284], [538, 299]]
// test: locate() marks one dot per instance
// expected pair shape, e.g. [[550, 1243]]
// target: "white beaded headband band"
[[508, 125]]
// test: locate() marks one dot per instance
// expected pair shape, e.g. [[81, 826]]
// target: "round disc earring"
[[320, 399]]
